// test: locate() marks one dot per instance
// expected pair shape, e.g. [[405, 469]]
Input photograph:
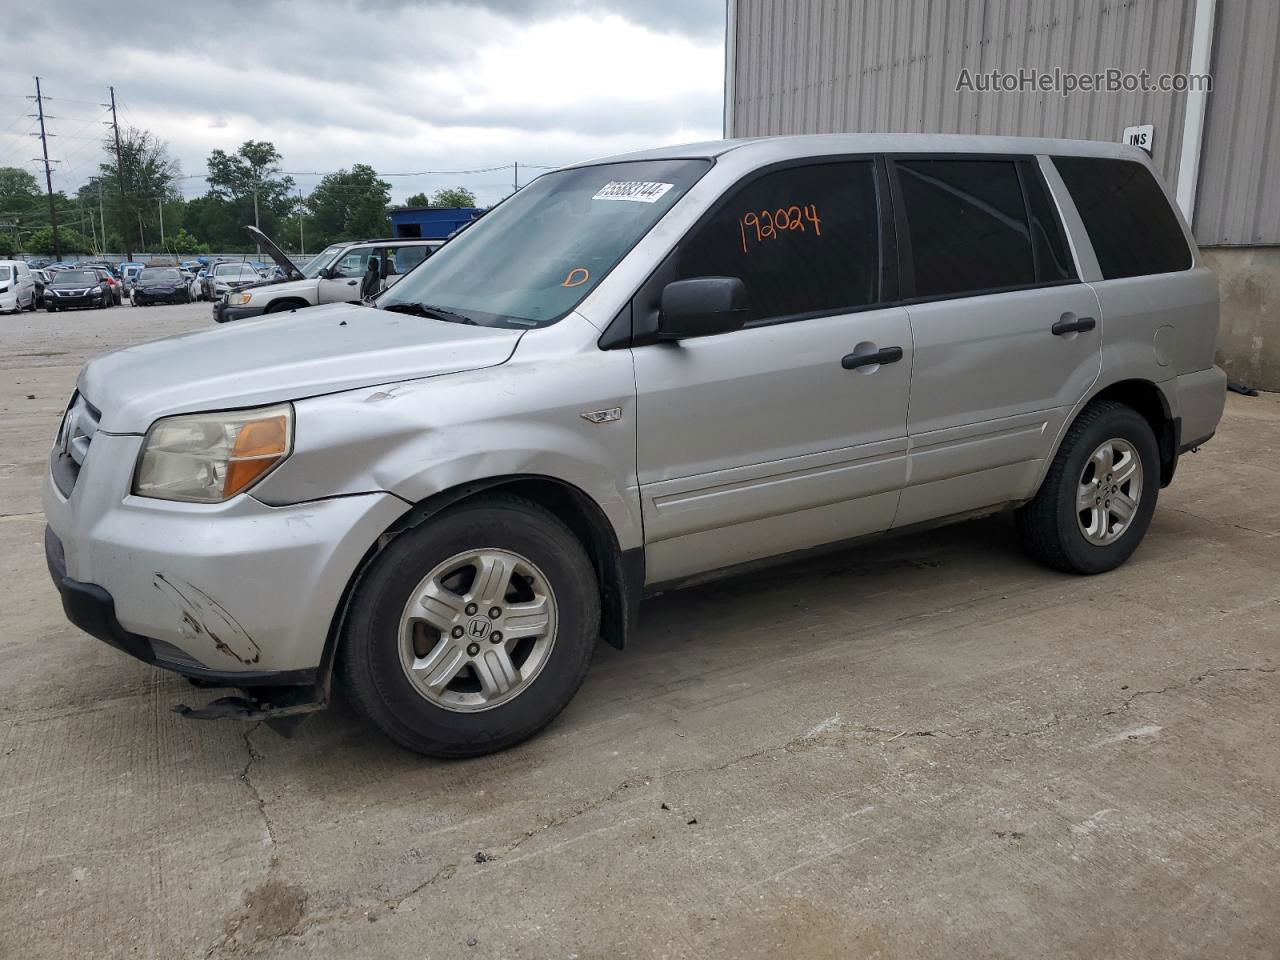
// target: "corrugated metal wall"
[[1239, 194], [826, 66]]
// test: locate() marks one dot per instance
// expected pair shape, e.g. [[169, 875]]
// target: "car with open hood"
[[631, 375], [346, 272]]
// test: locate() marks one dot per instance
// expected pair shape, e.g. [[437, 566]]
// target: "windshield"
[[322, 260], [533, 258], [160, 273], [78, 277], [234, 270]]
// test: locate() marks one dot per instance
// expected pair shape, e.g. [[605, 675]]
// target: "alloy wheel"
[[1109, 491], [478, 629]]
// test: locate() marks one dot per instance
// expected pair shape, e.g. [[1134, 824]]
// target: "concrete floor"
[[922, 747]]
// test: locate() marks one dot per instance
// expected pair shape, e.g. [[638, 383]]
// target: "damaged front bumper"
[[237, 594]]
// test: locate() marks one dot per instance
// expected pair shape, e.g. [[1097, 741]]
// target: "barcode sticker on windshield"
[[641, 191]]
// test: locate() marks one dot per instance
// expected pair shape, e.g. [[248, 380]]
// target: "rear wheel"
[[1097, 500], [472, 632]]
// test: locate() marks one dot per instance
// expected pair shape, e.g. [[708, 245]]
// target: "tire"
[[373, 641], [50, 308], [1051, 526], [284, 306]]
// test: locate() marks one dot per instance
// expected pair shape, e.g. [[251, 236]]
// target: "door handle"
[[852, 361], [1078, 325], [351, 283]]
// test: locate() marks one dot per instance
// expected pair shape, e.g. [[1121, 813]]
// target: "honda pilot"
[[632, 373]]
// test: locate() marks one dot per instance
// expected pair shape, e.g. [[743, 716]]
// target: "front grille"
[[72, 293], [75, 436]]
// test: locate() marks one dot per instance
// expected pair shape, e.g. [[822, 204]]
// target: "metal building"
[[825, 66]]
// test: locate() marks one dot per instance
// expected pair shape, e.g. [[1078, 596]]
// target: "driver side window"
[[804, 241], [353, 263]]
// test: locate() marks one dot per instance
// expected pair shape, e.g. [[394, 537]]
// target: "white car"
[[346, 272], [17, 287]]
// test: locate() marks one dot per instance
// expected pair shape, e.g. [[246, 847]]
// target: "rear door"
[[1007, 338], [766, 439]]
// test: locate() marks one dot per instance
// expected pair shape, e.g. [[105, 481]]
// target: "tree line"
[[136, 204]]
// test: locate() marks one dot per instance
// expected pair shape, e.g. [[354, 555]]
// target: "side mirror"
[[701, 307]]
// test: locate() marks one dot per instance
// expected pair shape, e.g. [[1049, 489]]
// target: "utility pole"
[[115, 125], [48, 177], [160, 207], [255, 219], [515, 177], [302, 240], [102, 220]]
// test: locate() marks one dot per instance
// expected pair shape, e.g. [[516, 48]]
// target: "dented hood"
[[303, 354]]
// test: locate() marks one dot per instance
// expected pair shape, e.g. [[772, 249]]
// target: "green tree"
[[73, 241], [248, 176], [417, 200], [348, 205], [183, 242], [8, 246], [148, 175], [453, 197], [114, 243]]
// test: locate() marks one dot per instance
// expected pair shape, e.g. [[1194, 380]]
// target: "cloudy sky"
[[404, 86]]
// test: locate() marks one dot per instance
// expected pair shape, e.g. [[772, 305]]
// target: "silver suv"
[[631, 373]]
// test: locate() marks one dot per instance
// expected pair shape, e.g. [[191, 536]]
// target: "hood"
[[284, 263], [285, 357]]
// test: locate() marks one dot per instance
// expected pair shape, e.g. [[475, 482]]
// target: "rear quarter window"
[[1133, 229]]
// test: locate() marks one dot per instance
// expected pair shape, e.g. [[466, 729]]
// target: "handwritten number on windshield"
[[767, 225]]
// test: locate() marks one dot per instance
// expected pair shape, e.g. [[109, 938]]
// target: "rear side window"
[[804, 241], [1133, 230], [967, 226]]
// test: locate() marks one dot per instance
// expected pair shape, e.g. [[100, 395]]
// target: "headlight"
[[210, 457], [97, 289], [239, 299]]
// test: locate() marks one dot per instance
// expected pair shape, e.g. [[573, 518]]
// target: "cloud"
[[403, 86]]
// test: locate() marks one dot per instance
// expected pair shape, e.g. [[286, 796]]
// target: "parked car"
[[339, 273], [159, 285], [40, 279], [128, 274], [198, 284], [85, 287], [228, 277], [634, 373], [113, 283], [17, 287]]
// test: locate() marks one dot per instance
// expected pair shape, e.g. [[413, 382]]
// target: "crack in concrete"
[[1193, 681], [1210, 520]]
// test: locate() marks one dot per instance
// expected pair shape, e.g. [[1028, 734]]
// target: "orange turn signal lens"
[[259, 446]]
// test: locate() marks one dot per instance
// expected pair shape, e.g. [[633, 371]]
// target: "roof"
[[778, 148]]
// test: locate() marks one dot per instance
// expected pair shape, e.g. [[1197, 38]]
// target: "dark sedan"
[[159, 285], [77, 288]]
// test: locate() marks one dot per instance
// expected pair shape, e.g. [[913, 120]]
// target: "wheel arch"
[[1148, 399], [287, 302], [620, 572]]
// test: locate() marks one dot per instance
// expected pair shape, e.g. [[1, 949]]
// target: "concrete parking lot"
[[924, 746]]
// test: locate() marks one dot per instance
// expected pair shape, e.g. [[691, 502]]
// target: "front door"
[[785, 434], [342, 284]]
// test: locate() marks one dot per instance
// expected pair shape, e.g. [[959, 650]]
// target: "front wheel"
[[472, 631], [1096, 502]]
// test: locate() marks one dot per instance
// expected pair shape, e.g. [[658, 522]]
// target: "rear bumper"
[[1202, 396]]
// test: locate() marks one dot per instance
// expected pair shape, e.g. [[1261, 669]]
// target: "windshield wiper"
[[430, 312]]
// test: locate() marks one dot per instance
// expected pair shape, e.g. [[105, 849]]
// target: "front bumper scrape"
[[282, 698]]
